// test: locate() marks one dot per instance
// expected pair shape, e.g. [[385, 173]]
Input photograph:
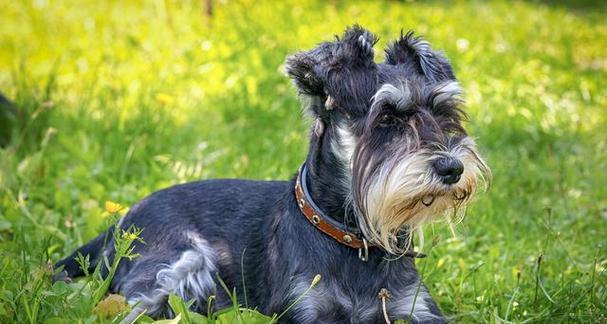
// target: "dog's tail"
[[93, 249]]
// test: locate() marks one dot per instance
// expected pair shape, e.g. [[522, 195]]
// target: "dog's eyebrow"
[[397, 96], [446, 92]]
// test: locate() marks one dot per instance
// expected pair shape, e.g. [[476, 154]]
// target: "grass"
[[119, 99]]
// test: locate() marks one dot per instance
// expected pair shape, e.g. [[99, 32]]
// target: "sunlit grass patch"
[[119, 99]]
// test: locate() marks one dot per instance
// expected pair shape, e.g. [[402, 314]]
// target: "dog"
[[388, 153]]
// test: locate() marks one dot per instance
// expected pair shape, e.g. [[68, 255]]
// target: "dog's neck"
[[329, 180], [328, 183]]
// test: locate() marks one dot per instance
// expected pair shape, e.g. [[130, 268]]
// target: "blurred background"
[[112, 100]]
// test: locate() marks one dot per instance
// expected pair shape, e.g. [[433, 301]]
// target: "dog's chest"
[[331, 306], [332, 303]]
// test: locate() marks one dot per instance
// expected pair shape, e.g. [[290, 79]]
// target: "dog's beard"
[[404, 192]]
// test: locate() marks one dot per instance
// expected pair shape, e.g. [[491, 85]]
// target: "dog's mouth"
[[457, 196], [407, 192]]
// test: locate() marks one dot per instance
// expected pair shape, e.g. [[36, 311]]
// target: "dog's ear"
[[305, 70], [410, 49], [355, 48], [336, 72], [309, 69]]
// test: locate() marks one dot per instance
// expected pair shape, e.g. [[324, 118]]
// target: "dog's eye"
[[388, 120], [385, 119]]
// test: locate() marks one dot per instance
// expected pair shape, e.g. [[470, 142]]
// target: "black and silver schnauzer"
[[388, 154]]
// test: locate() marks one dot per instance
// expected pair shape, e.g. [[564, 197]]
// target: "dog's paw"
[[62, 276]]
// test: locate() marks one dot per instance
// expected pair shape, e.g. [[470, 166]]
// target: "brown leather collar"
[[318, 218], [328, 226]]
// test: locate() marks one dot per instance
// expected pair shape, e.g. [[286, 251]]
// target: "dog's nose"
[[449, 169]]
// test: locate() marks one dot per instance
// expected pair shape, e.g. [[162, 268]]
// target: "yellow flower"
[[113, 207], [164, 99], [129, 236]]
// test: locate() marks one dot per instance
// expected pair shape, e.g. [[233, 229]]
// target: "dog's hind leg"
[[187, 271]]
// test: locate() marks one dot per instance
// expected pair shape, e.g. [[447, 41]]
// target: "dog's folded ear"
[[305, 70], [309, 69], [325, 70], [410, 49]]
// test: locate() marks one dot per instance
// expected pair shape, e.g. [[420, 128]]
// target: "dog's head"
[[395, 128]]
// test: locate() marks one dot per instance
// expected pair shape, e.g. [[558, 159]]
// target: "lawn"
[[118, 99]]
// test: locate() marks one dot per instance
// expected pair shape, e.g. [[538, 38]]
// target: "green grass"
[[118, 99]]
